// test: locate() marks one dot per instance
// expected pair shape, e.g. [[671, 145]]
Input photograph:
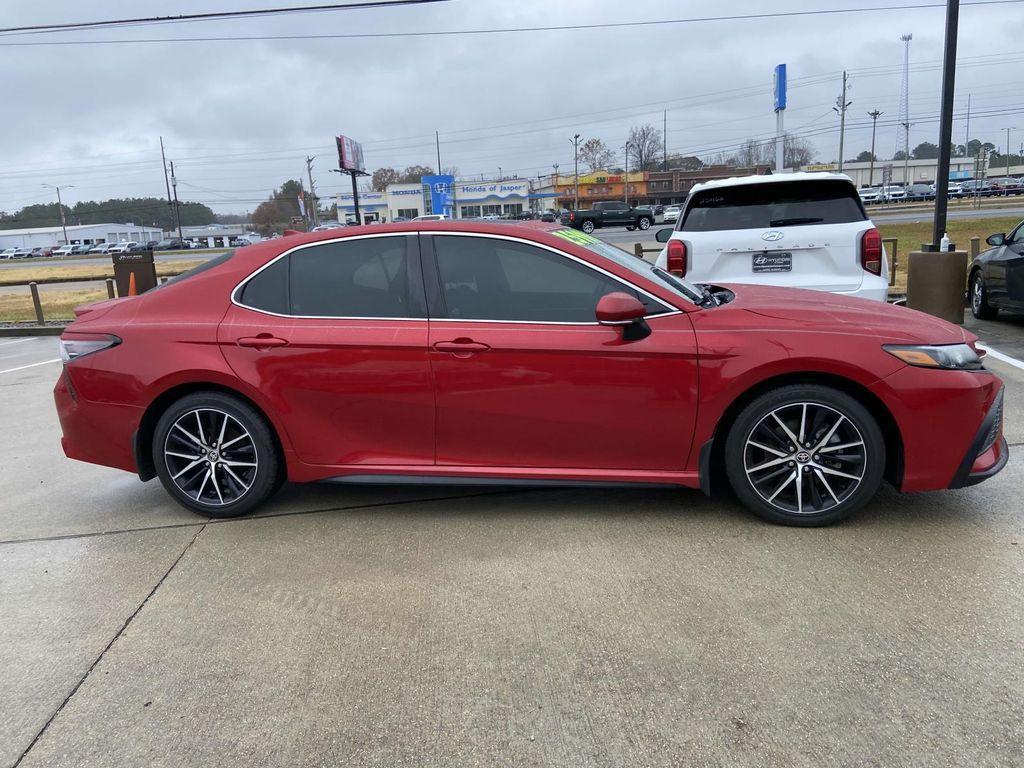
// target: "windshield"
[[684, 289]]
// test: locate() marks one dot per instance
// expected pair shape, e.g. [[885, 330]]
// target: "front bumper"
[[989, 451]]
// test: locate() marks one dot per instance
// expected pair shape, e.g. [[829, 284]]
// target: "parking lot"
[[415, 626]]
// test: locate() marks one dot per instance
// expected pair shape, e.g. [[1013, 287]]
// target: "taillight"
[[572, 215], [80, 345], [871, 251], [677, 258]]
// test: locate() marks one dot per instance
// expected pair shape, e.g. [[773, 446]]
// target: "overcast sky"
[[238, 117]]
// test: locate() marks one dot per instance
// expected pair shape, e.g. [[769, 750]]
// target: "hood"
[[828, 311]]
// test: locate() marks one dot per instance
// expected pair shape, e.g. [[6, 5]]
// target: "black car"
[[920, 192], [996, 277], [548, 216], [170, 244]]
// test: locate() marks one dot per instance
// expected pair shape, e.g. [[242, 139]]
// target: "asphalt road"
[[464, 627]]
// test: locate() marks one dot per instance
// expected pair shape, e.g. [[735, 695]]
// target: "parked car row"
[[895, 193], [79, 249]]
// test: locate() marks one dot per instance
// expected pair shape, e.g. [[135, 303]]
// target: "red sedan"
[[448, 352]]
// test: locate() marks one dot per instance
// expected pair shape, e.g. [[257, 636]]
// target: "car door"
[[335, 334], [1011, 261], [617, 214], [999, 268], [525, 377]]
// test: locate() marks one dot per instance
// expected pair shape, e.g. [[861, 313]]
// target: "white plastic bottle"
[[944, 243]]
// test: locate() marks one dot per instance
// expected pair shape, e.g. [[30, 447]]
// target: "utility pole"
[[63, 220], [575, 141], [312, 189], [946, 122], [163, 161], [625, 179], [437, 144], [1008, 156], [664, 140], [840, 109], [874, 115], [906, 152], [177, 214], [967, 127]]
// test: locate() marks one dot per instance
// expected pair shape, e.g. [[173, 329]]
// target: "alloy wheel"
[[805, 458], [211, 457], [976, 296]]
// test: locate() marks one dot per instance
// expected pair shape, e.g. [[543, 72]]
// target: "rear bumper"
[[94, 432]]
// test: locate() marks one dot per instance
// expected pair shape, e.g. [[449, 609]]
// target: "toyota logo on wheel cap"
[[772, 235]]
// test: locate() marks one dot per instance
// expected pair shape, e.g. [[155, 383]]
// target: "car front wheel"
[[215, 455], [805, 455], [980, 307]]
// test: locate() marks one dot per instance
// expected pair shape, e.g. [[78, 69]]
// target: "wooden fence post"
[[110, 288], [638, 250], [975, 247], [35, 302]]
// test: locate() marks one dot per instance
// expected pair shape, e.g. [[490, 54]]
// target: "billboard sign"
[[780, 87], [350, 154], [440, 190]]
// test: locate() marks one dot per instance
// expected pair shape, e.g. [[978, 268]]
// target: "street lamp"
[[625, 185], [60, 205]]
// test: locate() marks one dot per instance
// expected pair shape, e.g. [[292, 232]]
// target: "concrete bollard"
[[36, 304], [975, 247], [936, 282]]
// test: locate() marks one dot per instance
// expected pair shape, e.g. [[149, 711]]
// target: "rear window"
[[216, 261], [782, 204]]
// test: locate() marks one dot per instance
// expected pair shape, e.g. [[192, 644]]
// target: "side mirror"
[[619, 309], [663, 235], [999, 239]]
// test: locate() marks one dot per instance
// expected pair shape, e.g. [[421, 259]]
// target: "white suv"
[[799, 230]]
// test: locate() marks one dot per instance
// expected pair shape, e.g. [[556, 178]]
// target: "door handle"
[[461, 347], [262, 341]]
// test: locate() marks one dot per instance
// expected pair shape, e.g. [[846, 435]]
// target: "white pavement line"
[[17, 341], [1002, 356], [31, 365]]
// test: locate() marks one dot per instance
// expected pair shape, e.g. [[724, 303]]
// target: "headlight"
[[72, 348], [954, 357]]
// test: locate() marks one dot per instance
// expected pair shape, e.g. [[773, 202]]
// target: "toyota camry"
[[512, 353]]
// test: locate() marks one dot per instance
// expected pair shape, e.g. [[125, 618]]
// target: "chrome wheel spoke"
[[789, 474], [201, 470]]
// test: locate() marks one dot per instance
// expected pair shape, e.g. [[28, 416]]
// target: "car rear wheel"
[[587, 226], [980, 307], [643, 222], [215, 454], [805, 455]]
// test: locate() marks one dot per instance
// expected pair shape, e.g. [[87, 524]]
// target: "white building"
[[215, 235], [469, 199], [892, 171], [87, 234]]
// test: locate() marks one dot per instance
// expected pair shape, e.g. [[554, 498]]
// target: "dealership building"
[[88, 234], [442, 194]]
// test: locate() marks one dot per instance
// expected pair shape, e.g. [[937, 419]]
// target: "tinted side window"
[[489, 279], [269, 289], [354, 278], [780, 204]]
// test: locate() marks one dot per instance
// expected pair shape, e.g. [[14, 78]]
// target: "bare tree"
[[595, 155], [644, 147]]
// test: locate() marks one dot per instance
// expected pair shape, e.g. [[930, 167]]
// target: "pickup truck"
[[612, 214]]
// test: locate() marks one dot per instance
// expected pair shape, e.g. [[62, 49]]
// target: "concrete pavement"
[[393, 627]]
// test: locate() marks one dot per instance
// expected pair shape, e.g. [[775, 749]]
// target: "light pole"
[[60, 205], [575, 141], [874, 115], [625, 180], [840, 109], [946, 121], [1007, 174]]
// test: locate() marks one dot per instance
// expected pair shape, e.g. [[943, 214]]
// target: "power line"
[[513, 30], [211, 16]]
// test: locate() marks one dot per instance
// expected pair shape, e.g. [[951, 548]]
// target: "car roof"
[[775, 178]]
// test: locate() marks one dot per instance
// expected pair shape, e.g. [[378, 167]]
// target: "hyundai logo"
[[772, 235]]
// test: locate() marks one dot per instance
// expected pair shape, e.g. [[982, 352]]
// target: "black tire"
[[644, 222], [977, 294], [253, 460], [630, 228], [587, 226], [849, 493]]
